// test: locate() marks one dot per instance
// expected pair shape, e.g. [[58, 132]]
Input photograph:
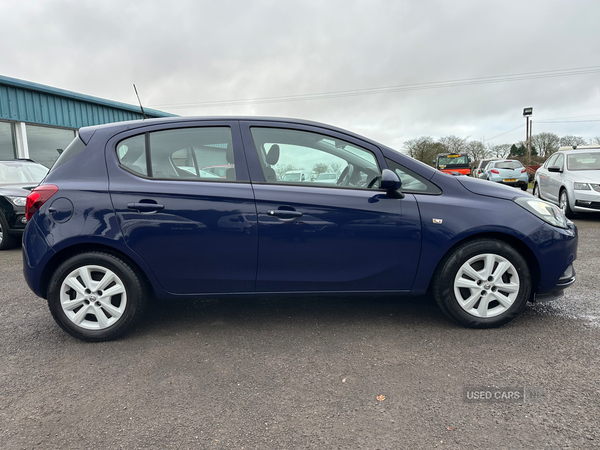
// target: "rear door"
[[196, 230], [317, 236]]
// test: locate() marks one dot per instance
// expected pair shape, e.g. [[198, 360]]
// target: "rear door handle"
[[145, 207]]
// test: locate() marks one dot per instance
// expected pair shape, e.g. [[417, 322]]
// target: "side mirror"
[[390, 182], [554, 169]]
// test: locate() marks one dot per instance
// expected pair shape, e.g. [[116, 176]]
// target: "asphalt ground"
[[310, 372]]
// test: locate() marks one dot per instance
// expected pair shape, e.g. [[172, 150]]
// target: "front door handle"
[[145, 207], [284, 214]]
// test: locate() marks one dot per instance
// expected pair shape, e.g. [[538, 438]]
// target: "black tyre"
[[536, 191], [6, 240], [563, 201], [523, 187], [96, 296], [482, 284]]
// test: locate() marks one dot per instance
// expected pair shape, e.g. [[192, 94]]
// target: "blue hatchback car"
[[126, 214]]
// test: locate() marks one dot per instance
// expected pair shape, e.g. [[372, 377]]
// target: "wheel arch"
[[77, 249], [516, 243]]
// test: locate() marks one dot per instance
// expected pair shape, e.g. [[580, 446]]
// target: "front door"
[[319, 236]]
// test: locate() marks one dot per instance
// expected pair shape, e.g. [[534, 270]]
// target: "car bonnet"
[[482, 187]]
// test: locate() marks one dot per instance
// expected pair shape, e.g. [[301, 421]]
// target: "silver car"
[[571, 179]]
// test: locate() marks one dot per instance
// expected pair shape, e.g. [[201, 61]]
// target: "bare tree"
[[335, 167], [423, 149], [545, 143], [477, 150], [454, 144], [570, 141], [499, 151], [320, 168], [595, 140]]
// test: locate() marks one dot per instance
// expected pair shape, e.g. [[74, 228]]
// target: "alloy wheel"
[[486, 285], [93, 297]]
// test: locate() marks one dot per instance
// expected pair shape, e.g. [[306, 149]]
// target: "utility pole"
[[527, 112]]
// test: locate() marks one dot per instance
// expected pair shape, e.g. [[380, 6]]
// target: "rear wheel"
[[6, 240], [96, 296], [563, 201], [523, 187], [482, 284]]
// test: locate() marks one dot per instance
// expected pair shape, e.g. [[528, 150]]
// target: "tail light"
[[523, 170], [494, 171], [38, 197]]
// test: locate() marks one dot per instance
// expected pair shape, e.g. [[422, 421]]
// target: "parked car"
[[508, 171], [297, 176], [17, 178], [570, 178], [104, 236], [479, 171], [327, 178], [220, 171]]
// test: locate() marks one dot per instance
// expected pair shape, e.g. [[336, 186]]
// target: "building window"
[[46, 144], [7, 141]]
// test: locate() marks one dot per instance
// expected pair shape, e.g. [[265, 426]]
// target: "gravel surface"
[[372, 373]]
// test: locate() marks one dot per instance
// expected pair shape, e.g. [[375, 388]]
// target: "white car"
[[571, 179], [327, 177]]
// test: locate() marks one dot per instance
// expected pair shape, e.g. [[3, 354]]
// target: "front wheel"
[[96, 296], [536, 191], [483, 284], [563, 201]]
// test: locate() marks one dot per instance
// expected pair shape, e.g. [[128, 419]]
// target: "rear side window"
[[73, 149], [203, 153]]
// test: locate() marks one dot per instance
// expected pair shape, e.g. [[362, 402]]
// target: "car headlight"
[[548, 212], [581, 186], [17, 201]]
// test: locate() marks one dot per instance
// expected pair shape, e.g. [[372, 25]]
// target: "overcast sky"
[[184, 54]]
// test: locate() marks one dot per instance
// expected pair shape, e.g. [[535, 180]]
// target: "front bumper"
[[585, 201], [565, 280]]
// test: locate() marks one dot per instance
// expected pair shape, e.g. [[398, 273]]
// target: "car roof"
[[578, 149], [86, 132]]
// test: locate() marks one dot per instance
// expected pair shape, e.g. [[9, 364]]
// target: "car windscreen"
[[508, 165], [22, 172], [584, 161], [453, 160]]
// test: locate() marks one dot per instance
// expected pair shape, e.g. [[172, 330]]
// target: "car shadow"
[[329, 311]]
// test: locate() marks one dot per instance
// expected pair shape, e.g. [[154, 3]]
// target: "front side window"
[[560, 160], [313, 159], [411, 181], [188, 154], [551, 160]]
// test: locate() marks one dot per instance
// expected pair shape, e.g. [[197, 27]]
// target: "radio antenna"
[[138, 97]]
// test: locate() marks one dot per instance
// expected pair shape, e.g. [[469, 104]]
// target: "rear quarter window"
[[73, 149]]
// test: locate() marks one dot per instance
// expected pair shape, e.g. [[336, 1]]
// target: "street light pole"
[[527, 112]]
